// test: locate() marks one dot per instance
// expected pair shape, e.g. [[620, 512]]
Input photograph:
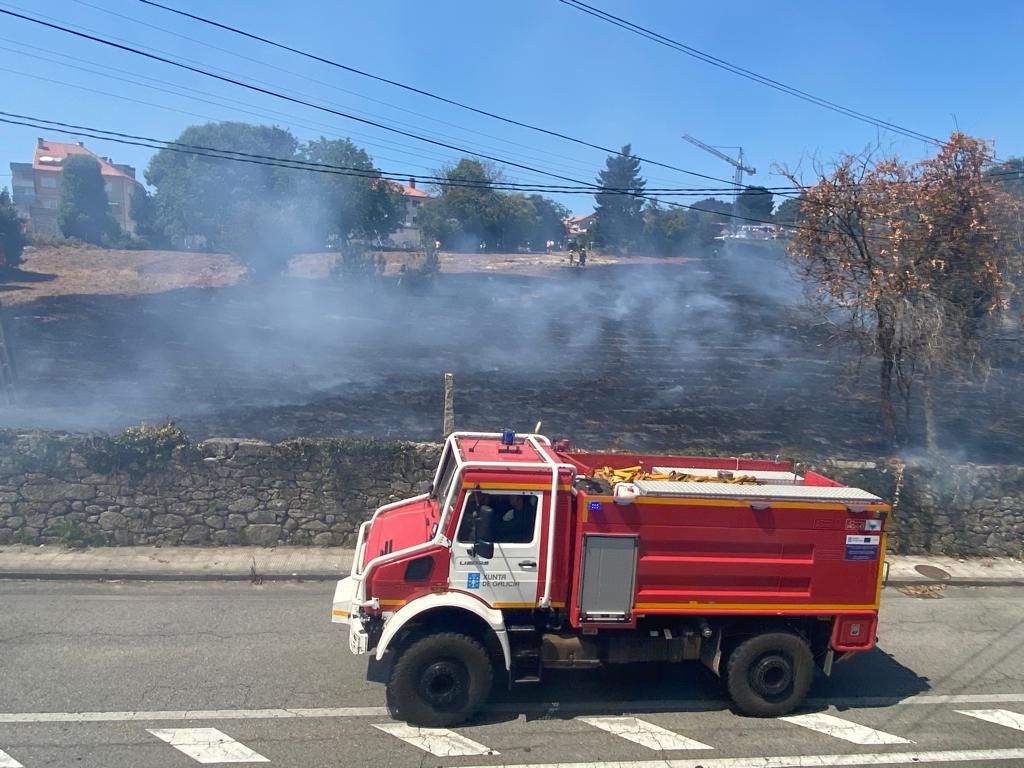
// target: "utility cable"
[[735, 69], [432, 95]]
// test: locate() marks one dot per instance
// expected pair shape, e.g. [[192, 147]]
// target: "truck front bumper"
[[345, 610]]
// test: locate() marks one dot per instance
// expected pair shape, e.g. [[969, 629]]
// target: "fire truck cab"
[[524, 556]]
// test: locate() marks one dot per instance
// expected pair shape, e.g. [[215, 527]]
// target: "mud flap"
[[711, 652], [379, 671]]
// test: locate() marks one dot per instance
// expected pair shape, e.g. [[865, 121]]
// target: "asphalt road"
[[98, 675]]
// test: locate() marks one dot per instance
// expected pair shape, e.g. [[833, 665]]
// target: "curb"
[[1011, 582], [319, 576]]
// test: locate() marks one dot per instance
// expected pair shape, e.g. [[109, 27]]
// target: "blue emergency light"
[[508, 437]]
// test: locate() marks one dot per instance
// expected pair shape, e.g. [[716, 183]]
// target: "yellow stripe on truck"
[[760, 607]]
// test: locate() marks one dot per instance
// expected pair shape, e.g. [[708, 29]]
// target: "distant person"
[[583, 256]]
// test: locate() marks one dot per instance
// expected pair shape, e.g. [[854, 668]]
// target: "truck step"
[[521, 628], [527, 679]]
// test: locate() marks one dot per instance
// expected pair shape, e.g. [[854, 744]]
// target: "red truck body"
[[699, 552]]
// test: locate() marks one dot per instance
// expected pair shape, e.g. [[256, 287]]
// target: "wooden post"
[[449, 404]]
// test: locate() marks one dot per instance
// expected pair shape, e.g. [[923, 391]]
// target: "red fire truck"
[[525, 556]]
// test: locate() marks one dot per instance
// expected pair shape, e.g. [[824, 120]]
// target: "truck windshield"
[[448, 467]]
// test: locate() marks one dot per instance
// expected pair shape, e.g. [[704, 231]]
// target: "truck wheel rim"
[[772, 676], [443, 684]]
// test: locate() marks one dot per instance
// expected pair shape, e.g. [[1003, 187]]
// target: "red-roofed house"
[[35, 186], [408, 234], [575, 226]]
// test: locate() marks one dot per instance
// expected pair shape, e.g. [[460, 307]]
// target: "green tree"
[[755, 203], [350, 206], [12, 233], [470, 211], [250, 210], [788, 211], [1009, 173], [84, 211], [147, 225], [620, 219], [549, 220], [712, 216], [667, 231], [467, 213]]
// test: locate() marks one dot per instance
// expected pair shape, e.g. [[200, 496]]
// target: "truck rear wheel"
[[440, 680], [769, 674]]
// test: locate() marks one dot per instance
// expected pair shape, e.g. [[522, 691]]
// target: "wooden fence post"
[[449, 404]]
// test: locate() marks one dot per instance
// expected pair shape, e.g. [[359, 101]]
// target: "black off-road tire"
[[440, 680], [769, 674]]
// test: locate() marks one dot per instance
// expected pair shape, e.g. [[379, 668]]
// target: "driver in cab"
[[512, 521]]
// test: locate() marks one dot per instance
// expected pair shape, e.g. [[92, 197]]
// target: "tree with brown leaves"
[[918, 259]]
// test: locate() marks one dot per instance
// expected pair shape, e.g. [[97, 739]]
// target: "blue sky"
[[930, 65]]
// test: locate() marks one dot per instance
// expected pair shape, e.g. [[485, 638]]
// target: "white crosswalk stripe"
[[436, 741], [6, 761], [207, 745], [844, 729], [997, 716], [643, 733]]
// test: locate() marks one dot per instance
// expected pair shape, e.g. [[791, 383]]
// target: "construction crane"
[[738, 164]]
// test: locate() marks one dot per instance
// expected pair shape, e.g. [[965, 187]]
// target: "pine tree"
[[12, 233], [83, 211], [620, 219]]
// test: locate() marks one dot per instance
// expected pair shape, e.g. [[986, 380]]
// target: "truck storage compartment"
[[608, 577]]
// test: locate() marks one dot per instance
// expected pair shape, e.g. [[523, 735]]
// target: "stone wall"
[[78, 489], [950, 509]]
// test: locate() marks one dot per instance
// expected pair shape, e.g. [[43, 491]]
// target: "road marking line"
[[595, 707], [207, 745], [6, 761], [997, 716], [190, 714], [643, 733], [801, 761], [844, 729], [436, 741]]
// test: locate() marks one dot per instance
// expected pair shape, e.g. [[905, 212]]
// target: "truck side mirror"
[[483, 533]]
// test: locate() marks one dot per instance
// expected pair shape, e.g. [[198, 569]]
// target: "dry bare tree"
[[914, 261]]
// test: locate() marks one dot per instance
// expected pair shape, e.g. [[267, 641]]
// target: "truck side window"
[[515, 517]]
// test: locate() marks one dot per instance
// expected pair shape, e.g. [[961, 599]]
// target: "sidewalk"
[[18, 561], [329, 563]]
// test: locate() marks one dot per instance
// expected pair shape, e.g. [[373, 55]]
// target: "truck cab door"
[[508, 577]]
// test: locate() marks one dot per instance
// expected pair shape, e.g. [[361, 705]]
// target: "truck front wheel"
[[440, 680], [769, 675]]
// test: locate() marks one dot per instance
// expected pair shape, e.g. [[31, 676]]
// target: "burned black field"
[[714, 354]]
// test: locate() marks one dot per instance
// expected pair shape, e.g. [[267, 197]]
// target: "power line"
[[368, 139], [313, 105], [429, 94], [742, 72], [269, 92], [230, 73], [295, 164], [285, 97], [306, 78], [781, 190], [299, 164]]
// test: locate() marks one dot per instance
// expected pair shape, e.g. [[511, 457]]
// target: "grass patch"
[[137, 450]]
